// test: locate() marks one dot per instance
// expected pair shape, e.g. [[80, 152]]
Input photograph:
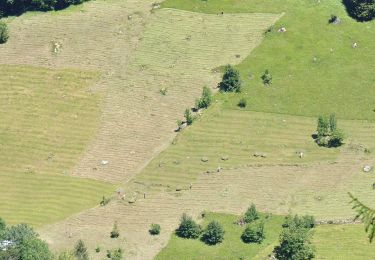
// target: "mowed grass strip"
[[47, 119], [237, 135], [315, 69], [342, 242], [232, 246]]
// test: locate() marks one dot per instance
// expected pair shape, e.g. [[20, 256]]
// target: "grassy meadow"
[[232, 246], [48, 117], [314, 67]]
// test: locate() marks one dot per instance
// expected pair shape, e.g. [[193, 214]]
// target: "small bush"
[[80, 251], [188, 228], [104, 201], [254, 233], [115, 254], [213, 234], [97, 249], [267, 78], [231, 81], [337, 138], [242, 103], [4, 33], [163, 91], [115, 232], [251, 214], [188, 117], [154, 229], [206, 99]]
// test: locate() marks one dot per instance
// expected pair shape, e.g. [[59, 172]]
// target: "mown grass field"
[[232, 246], [342, 242], [315, 70], [238, 135], [48, 117]]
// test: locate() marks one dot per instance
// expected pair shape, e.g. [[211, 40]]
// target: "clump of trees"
[[362, 10], [188, 228], [4, 33], [22, 243], [231, 81], [17, 7], [328, 134], [213, 234], [295, 239]]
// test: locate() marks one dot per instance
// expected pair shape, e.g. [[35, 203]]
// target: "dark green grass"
[[314, 67], [231, 248]]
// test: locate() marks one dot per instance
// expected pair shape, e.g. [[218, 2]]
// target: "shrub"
[[242, 103], [362, 10], [299, 222], [294, 244], [206, 99], [251, 214], [336, 139], [104, 201], [327, 132], [254, 233], [80, 251], [188, 228], [2, 225], [163, 91], [4, 33], [188, 117], [231, 81], [115, 232], [115, 254], [97, 249], [267, 78], [213, 234], [154, 229]]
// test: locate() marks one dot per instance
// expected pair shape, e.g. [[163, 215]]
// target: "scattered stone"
[[367, 168], [224, 158], [104, 162], [282, 30], [218, 169], [204, 159], [354, 45], [130, 17], [178, 189], [262, 155], [301, 155]]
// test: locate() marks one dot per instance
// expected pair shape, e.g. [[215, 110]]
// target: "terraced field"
[[48, 117]]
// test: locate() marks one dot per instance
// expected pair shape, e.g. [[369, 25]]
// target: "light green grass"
[[232, 246], [341, 80], [342, 242], [47, 118]]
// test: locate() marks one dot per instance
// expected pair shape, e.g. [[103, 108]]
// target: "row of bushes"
[[17, 7]]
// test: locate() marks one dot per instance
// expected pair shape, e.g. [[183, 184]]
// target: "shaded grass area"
[[314, 67], [47, 118], [342, 242], [232, 246]]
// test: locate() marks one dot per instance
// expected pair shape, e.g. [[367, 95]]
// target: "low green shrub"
[[213, 234], [4, 33], [154, 229]]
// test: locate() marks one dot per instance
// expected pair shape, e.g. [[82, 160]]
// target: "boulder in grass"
[[204, 159], [224, 158], [367, 168]]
